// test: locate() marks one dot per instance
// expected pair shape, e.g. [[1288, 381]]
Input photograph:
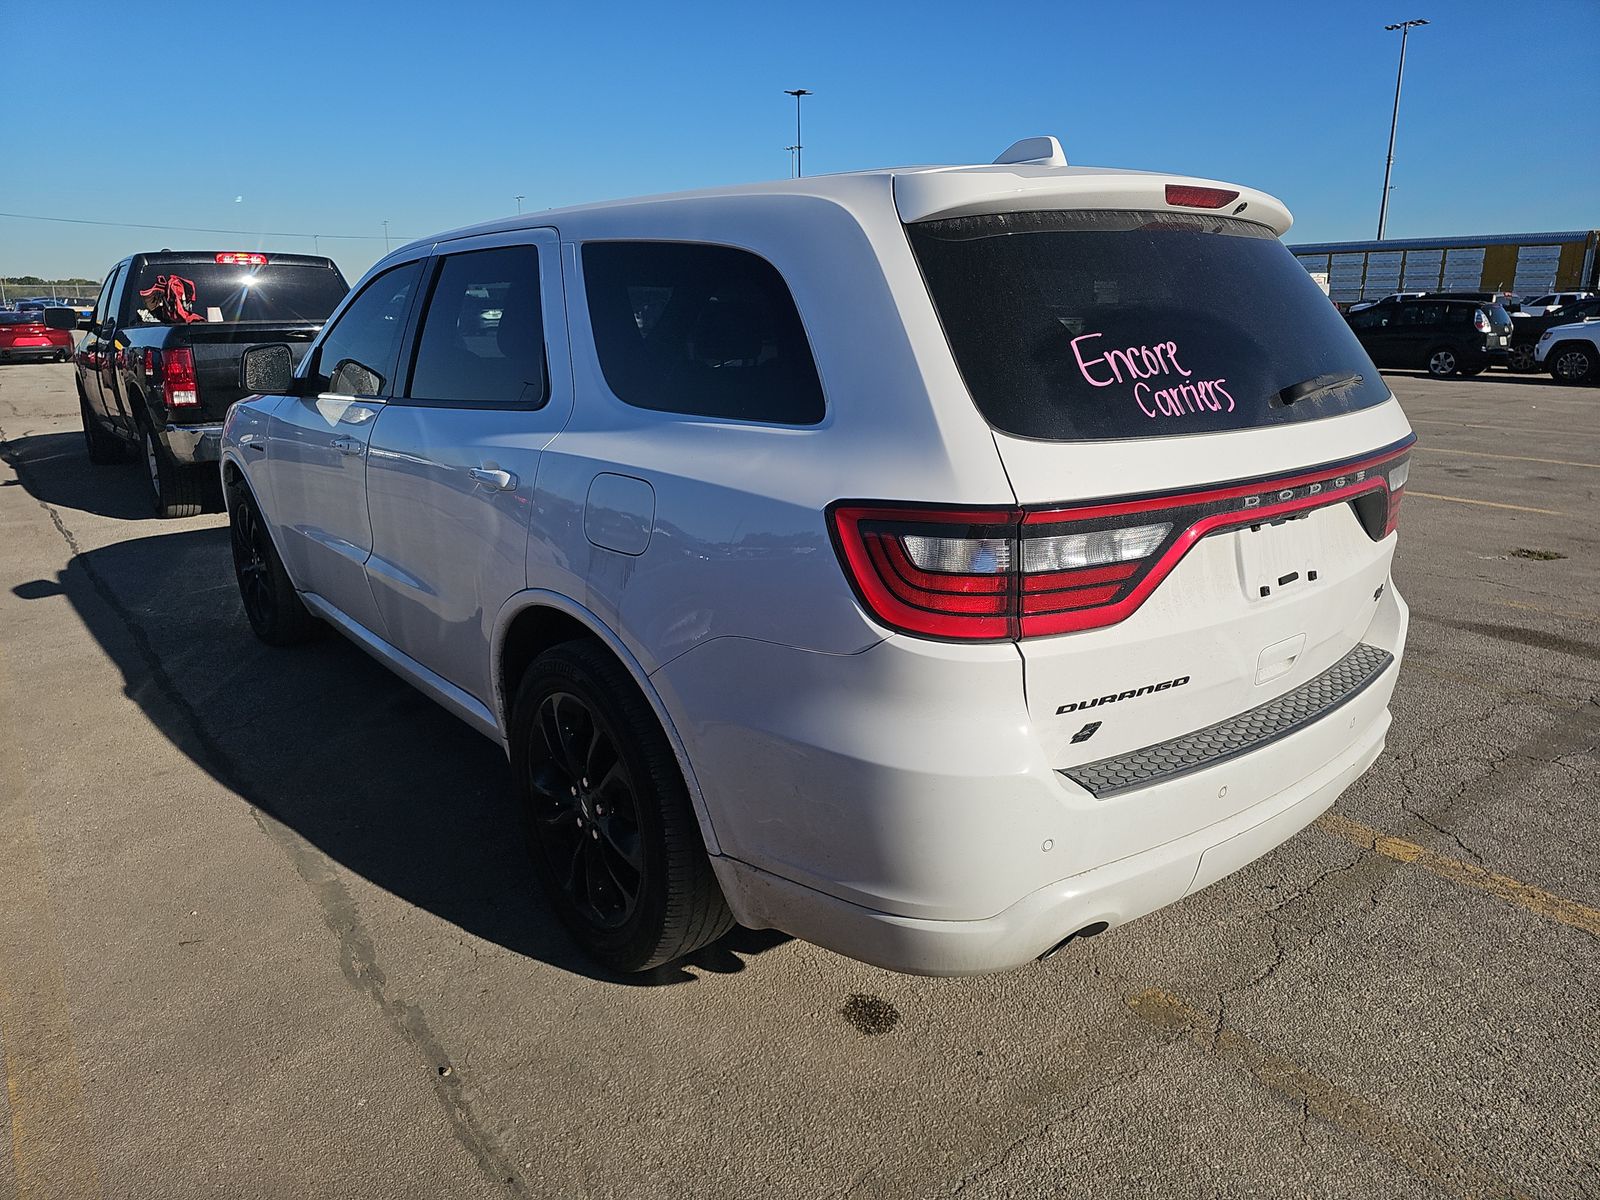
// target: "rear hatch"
[[1201, 452]]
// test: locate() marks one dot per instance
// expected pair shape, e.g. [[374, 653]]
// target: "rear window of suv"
[[176, 293], [1098, 325]]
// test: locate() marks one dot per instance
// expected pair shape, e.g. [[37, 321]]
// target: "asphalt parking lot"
[[267, 930]]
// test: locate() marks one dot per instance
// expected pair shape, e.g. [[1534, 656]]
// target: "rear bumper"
[[1110, 895], [17, 353], [896, 806], [193, 443]]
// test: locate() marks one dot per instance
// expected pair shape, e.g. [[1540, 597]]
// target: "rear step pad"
[[1248, 731]]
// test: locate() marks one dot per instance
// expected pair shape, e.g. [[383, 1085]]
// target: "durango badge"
[[1079, 705]]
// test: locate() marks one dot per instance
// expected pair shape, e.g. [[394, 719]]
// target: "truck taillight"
[[172, 371], [1003, 574], [238, 258]]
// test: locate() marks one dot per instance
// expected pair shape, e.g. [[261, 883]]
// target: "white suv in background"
[[1571, 353], [934, 564]]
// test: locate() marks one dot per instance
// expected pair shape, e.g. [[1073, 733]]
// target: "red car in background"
[[46, 334]]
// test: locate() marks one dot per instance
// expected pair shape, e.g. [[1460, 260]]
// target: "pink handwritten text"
[[1139, 364]]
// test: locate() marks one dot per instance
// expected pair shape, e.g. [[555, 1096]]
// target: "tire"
[[1443, 362], [611, 831], [1574, 363], [1520, 358], [104, 448], [274, 609], [176, 489]]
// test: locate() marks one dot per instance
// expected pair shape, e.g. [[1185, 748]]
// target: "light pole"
[[520, 199], [793, 168], [386, 237], [797, 93], [1405, 28]]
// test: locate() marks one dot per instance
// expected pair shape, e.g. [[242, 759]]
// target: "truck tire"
[[611, 830], [104, 448], [177, 489], [1574, 362]]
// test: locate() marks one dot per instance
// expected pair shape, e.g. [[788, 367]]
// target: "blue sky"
[[335, 117]]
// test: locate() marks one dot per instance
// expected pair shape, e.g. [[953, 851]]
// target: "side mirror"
[[267, 370], [60, 318], [86, 322]]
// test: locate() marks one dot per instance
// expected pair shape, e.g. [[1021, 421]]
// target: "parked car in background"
[[159, 365], [37, 334], [1538, 306], [1526, 331], [1571, 353], [915, 561], [1440, 336], [1391, 298]]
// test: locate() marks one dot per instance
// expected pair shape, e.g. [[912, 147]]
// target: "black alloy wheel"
[[250, 550], [274, 609], [587, 810], [1520, 358], [611, 831]]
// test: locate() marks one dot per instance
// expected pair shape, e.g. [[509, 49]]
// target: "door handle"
[[347, 445], [495, 481]]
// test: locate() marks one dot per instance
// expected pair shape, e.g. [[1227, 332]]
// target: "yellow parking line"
[[50, 1144], [1549, 512], [1513, 891], [1553, 612], [1554, 462], [1323, 1099]]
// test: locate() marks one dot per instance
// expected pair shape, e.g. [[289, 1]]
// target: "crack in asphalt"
[[358, 957]]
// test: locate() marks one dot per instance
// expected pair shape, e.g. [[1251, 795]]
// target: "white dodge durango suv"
[[933, 564]]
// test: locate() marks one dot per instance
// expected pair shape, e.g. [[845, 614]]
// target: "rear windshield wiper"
[[1317, 385]]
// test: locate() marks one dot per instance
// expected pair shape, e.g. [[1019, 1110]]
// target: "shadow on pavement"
[[320, 737], [55, 468]]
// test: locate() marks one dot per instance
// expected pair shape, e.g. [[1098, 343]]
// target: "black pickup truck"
[[159, 363]]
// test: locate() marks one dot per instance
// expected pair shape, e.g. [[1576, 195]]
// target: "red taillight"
[[941, 573], [173, 371], [1188, 196], [239, 258], [1000, 574]]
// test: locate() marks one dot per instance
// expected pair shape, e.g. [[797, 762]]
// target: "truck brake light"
[[172, 372]]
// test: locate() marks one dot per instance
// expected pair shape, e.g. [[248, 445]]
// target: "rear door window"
[[1091, 325], [483, 332], [705, 330]]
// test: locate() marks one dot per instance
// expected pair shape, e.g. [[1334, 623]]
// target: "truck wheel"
[[104, 448], [1442, 362], [1574, 362], [274, 609], [177, 489], [1521, 358], [611, 830]]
